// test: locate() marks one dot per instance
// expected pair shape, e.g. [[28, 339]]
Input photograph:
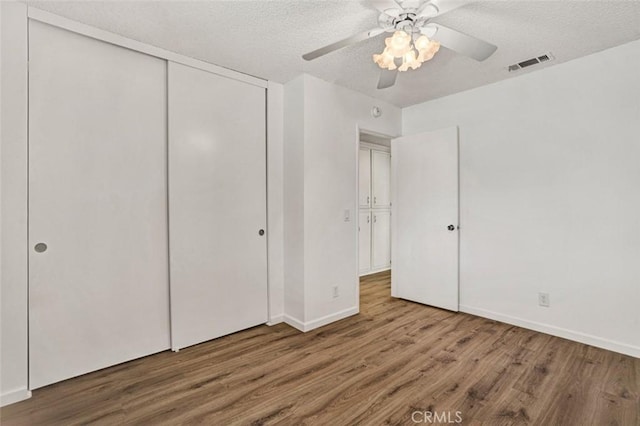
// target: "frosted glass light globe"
[[385, 60], [398, 44]]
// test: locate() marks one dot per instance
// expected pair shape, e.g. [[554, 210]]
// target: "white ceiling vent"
[[529, 62]]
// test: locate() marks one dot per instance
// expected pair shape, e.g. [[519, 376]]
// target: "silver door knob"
[[40, 248]]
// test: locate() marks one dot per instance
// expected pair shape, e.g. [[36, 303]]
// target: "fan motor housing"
[[406, 20]]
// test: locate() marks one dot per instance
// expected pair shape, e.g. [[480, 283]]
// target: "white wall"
[[294, 200], [550, 196], [13, 225], [331, 117]]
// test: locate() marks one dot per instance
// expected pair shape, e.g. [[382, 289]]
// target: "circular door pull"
[[40, 248], [261, 232], [451, 227]]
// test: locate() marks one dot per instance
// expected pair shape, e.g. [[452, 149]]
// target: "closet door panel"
[[381, 234], [217, 205], [364, 238], [99, 293], [381, 178], [364, 178]]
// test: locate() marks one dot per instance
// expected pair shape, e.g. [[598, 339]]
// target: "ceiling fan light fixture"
[[410, 45], [412, 54]]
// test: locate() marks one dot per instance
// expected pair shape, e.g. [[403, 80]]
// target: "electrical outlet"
[[336, 292], [543, 299]]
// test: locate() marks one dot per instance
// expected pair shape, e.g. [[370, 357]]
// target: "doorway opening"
[[374, 205]]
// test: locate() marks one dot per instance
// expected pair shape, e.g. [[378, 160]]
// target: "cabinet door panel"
[[381, 175], [364, 179], [381, 234], [364, 236]]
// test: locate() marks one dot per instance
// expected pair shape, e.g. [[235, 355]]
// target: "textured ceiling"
[[267, 38]]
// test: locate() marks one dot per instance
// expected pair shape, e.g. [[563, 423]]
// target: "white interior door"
[[425, 218], [99, 294], [364, 179], [381, 234], [217, 205], [381, 178], [364, 237]]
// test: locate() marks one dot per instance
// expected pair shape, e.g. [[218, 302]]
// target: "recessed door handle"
[[40, 248], [261, 232], [451, 228]]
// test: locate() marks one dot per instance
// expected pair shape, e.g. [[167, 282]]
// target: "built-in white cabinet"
[[374, 230]]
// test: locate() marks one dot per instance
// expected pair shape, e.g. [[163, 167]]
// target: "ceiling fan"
[[416, 38]]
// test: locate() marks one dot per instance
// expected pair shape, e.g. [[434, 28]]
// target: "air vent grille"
[[529, 62]]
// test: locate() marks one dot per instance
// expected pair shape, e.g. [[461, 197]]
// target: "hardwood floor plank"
[[393, 360]]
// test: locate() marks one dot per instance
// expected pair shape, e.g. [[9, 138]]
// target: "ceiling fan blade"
[[384, 5], [461, 43], [438, 7], [342, 43], [387, 79]]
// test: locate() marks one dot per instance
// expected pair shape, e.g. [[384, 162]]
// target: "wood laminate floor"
[[394, 360]]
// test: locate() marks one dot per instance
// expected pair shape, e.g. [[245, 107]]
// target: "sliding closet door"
[[217, 205], [98, 261]]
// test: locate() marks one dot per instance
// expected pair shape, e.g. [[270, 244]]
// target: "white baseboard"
[[319, 322], [294, 322], [588, 339], [374, 271], [310, 325], [14, 396], [276, 319]]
